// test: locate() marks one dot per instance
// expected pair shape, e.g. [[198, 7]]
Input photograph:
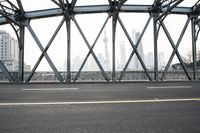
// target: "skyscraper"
[[149, 61], [161, 60], [122, 55], [136, 63], [107, 57]]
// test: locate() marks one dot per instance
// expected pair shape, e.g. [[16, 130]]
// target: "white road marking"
[[166, 87], [51, 89], [101, 102]]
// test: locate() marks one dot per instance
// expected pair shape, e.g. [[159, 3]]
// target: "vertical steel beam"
[[155, 31], [21, 54], [68, 25], [194, 49], [20, 5], [114, 24]]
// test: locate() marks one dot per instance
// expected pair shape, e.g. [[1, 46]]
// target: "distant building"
[[9, 52], [122, 62], [149, 61], [161, 60], [136, 63], [107, 57]]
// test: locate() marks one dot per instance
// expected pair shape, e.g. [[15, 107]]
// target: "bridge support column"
[[155, 31], [21, 55], [194, 49]]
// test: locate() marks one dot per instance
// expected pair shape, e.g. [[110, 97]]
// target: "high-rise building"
[[131, 65], [161, 60], [149, 61], [8, 51], [136, 63], [122, 55], [107, 57]]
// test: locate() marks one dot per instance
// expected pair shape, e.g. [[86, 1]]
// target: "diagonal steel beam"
[[6, 73], [62, 4], [175, 50], [90, 51], [73, 3], [110, 2], [169, 9], [67, 2], [89, 47], [8, 18], [177, 45], [45, 50], [58, 4], [45, 54], [135, 51], [12, 5], [20, 6], [121, 3]]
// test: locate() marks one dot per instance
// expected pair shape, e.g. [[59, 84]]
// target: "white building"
[[122, 55], [149, 60], [9, 51], [161, 60]]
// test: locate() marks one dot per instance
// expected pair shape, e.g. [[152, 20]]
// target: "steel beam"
[[155, 33], [45, 54], [45, 50], [114, 23], [89, 47], [177, 45], [68, 26], [194, 49], [20, 6], [95, 9], [6, 73], [90, 51], [176, 51], [21, 54], [135, 51]]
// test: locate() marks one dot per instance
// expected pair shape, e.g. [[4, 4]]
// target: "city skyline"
[[147, 58]]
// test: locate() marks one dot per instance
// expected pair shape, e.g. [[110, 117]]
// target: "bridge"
[[15, 15], [114, 98]]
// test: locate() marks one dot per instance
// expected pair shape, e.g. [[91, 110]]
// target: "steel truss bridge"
[[13, 13]]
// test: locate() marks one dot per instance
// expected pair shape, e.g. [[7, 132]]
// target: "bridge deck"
[[100, 107]]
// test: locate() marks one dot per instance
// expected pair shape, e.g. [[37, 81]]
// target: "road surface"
[[170, 107]]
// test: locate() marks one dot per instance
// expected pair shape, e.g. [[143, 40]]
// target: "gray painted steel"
[[19, 20]]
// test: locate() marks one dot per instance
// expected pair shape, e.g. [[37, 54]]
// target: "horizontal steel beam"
[[95, 9]]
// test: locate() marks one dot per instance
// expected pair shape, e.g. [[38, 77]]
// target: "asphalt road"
[[171, 107]]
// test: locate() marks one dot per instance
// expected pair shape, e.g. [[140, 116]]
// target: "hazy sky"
[[91, 25]]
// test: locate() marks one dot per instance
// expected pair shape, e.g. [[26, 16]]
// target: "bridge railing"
[[96, 76]]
